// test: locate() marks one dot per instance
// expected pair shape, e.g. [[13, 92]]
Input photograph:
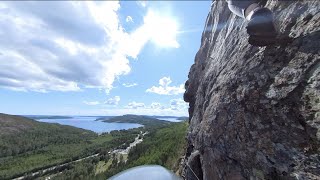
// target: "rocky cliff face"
[[255, 112]]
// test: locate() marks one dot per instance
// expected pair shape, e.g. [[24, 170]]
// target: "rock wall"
[[255, 112]]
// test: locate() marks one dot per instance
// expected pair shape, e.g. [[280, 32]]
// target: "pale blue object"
[[147, 172]]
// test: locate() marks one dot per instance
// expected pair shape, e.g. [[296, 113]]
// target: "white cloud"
[[176, 107], [156, 105], [165, 88], [64, 46], [129, 19], [91, 103], [178, 104], [135, 105], [145, 111], [60, 45], [129, 84], [113, 101]]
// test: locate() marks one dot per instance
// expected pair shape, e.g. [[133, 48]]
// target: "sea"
[[90, 123]]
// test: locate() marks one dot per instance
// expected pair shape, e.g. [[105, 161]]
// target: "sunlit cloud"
[[60, 46], [113, 101], [164, 88], [67, 46], [135, 105]]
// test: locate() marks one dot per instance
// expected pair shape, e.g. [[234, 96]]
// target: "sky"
[[97, 58]]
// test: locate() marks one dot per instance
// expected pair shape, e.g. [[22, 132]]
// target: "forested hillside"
[[19, 135], [162, 147], [27, 145]]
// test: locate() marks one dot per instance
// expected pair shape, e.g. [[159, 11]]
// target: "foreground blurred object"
[[261, 27], [153, 172]]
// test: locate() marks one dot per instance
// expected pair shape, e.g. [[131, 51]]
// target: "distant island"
[[138, 119], [164, 116]]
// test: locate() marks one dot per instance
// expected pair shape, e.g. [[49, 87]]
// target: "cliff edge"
[[255, 112]]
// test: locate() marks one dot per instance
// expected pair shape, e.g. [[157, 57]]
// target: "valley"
[[30, 149]]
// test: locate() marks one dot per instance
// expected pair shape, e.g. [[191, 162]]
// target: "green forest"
[[27, 146], [162, 147]]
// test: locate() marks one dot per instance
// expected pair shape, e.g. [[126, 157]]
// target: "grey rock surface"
[[194, 166], [255, 112]]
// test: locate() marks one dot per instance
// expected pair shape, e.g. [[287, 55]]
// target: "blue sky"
[[98, 58]]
